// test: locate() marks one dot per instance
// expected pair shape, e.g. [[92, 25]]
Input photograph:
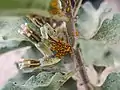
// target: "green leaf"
[[8, 45], [95, 52], [32, 53], [12, 86], [109, 31], [69, 85], [58, 80], [18, 7], [24, 7], [43, 81], [89, 19], [9, 27], [112, 82]]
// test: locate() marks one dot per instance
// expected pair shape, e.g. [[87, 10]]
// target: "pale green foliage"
[[103, 50], [15, 40], [94, 52], [9, 27], [112, 82], [18, 7], [43, 81], [5, 46], [89, 19], [109, 31]]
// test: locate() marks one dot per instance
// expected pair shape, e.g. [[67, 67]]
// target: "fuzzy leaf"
[[9, 27], [58, 80], [89, 19], [95, 52], [43, 81], [109, 31], [12, 86], [8, 45], [39, 7], [112, 82], [24, 7]]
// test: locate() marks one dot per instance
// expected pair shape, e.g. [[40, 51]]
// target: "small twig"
[[77, 6]]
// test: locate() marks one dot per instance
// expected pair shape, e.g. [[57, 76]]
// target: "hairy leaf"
[[58, 80], [39, 7], [8, 45], [95, 52], [112, 82], [9, 27], [12, 86], [109, 31], [23, 7], [89, 19], [43, 81]]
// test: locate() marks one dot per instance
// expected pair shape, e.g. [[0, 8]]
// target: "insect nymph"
[[61, 48]]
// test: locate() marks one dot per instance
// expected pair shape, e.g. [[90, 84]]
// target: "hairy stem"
[[76, 8], [71, 25], [81, 69], [76, 53]]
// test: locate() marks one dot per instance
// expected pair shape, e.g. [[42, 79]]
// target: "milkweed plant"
[[59, 45]]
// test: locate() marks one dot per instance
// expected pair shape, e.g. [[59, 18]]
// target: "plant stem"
[[76, 8], [71, 25], [76, 53], [81, 69]]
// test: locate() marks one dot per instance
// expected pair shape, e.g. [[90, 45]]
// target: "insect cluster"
[[61, 48]]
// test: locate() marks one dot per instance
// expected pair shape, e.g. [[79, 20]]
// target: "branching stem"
[[76, 8], [79, 65]]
